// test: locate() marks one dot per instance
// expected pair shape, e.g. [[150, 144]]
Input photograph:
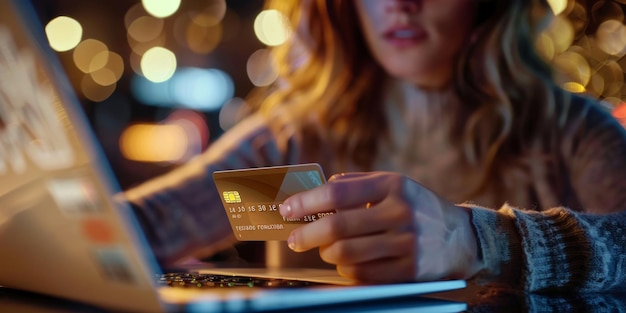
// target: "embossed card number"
[[252, 199]]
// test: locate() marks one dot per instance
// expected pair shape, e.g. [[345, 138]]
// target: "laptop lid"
[[61, 234]]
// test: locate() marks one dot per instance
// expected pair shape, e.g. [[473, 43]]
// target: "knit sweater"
[[536, 230]]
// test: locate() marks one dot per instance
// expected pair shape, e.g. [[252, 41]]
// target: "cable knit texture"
[[559, 257], [500, 246]]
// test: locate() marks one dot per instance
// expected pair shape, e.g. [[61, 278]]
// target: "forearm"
[[181, 213]]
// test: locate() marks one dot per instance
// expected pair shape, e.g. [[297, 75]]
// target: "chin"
[[418, 76], [404, 68]]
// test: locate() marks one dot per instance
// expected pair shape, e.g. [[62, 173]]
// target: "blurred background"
[[162, 79]]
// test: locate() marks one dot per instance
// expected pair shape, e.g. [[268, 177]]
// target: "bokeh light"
[[557, 6], [202, 89], [272, 27], [158, 64], [614, 79], [574, 67], [140, 48], [151, 93], [94, 91], [573, 87], [111, 71], [192, 88], [63, 33], [196, 130], [145, 28], [578, 17], [620, 112], [85, 52], [561, 32], [161, 8], [611, 36], [182, 135], [103, 77], [545, 46], [147, 142], [260, 68], [586, 44], [230, 113], [203, 34], [214, 9], [134, 12]]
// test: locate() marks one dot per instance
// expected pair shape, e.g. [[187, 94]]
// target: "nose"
[[407, 6]]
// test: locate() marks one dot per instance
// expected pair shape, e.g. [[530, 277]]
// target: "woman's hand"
[[387, 228]]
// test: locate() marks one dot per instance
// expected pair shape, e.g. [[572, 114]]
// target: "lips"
[[404, 36]]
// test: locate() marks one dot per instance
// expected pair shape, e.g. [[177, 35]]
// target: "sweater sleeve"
[[181, 213], [557, 249]]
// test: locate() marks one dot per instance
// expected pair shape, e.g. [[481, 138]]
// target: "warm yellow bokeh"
[[557, 6], [94, 91], [154, 143], [64, 33], [272, 27], [586, 45], [85, 53], [145, 28], [161, 8], [158, 64], [574, 87]]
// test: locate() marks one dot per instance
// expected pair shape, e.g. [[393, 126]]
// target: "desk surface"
[[478, 299]]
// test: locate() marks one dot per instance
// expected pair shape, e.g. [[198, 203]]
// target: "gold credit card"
[[252, 197]]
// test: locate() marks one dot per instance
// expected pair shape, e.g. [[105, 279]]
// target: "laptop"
[[62, 235]]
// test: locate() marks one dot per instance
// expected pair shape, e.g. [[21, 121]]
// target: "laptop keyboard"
[[198, 280]]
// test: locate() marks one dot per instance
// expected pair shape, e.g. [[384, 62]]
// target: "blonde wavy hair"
[[330, 83]]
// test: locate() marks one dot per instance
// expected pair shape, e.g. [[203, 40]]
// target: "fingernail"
[[285, 209], [291, 242]]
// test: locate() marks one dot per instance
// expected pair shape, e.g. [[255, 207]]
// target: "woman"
[[450, 93]]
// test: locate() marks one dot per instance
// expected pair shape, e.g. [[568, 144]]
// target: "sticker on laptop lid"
[[97, 231], [252, 198], [115, 264], [75, 195]]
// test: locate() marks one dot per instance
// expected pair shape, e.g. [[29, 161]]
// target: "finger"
[[342, 193], [381, 271], [352, 175], [382, 217], [369, 248], [355, 189]]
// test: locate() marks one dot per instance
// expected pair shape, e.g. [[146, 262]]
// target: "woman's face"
[[417, 40]]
